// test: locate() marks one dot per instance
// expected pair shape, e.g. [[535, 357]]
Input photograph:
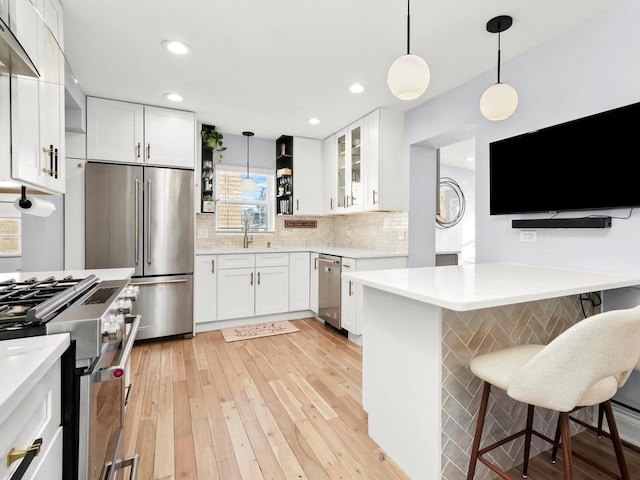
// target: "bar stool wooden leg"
[[565, 433], [615, 438], [527, 441], [478, 435], [600, 418], [556, 439]]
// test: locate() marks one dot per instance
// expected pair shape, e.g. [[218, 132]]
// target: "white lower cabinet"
[[37, 417], [298, 281], [351, 293], [272, 290], [313, 283], [252, 284], [236, 293], [205, 289]]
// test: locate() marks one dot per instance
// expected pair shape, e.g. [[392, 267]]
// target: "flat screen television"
[[590, 163]]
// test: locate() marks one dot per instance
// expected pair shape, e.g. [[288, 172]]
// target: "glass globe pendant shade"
[[408, 77], [499, 101], [247, 185]]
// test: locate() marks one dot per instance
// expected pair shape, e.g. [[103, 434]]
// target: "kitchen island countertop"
[[338, 251], [474, 286], [23, 363]]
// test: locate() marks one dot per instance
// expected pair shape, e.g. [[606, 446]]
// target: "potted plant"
[[214, 140]]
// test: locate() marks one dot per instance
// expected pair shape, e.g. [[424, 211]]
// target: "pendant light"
[[248, 185], [500, 100], [409, 75]]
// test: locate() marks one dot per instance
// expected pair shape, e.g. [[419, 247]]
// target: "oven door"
[[102, 396]]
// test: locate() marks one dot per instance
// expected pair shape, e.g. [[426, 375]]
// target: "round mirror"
[[452, 203]]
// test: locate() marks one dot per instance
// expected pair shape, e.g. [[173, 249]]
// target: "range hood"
[[13, 58]]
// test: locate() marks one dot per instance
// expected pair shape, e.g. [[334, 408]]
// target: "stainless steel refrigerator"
[[142, 217]]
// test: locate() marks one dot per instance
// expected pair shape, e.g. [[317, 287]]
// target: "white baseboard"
[[628, 424]]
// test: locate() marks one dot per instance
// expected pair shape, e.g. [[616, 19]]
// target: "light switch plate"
[[203, 233]]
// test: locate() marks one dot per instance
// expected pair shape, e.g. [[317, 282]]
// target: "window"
[[234, 207]]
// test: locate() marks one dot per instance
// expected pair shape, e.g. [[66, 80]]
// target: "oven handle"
[[116, 372], [159, 282]]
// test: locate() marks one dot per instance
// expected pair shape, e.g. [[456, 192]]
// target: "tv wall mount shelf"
[[601, 221]]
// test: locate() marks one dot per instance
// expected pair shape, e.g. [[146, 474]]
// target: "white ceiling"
[[268, 66]]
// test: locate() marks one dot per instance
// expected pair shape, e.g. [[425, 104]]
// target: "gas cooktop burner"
[[28, 304]]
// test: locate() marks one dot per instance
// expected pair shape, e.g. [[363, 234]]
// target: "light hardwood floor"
[[280, 407]]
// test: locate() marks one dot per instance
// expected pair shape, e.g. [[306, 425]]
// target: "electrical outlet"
[[528, 236], [203, 233]]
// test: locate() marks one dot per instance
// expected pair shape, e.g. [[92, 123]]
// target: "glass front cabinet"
[[349, 175]]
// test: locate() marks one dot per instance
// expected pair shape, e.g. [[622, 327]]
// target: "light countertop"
[[23, 363], [472, 287], [102, 274], [338, 251]]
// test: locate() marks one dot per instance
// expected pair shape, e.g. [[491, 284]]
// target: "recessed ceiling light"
[[356, 88], [176, 47], [469, 159], [314, 121], [174, 97]]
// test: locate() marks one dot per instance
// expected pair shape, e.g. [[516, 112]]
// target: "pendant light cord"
[[408, 26], [247, 156], [498, 57]]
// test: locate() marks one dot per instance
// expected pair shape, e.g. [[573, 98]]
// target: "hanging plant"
[[212, 138]]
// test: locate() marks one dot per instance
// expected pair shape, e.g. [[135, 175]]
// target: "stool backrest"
[[598, 353]]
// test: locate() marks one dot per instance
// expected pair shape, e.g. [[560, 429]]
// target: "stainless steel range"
[[96, 314]]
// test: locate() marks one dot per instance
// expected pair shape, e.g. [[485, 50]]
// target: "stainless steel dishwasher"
[[329, 286]]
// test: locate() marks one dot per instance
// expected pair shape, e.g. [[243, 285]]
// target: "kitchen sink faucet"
[[246, 241]]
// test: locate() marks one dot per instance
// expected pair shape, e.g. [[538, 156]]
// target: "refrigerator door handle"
[[149, 222], [159, 282], [137, 226]]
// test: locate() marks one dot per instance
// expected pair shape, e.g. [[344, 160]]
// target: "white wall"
[[591, 69]]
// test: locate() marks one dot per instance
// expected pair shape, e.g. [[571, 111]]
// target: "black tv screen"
[[586, 164]]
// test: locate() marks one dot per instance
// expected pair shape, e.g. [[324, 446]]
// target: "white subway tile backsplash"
[[382, 231]]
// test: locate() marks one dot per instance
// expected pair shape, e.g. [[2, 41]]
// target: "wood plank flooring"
[[280, 407]]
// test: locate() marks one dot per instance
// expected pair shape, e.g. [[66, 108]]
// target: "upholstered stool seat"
[[583, 366]]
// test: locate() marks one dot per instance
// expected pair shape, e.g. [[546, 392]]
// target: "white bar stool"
[[584, 366]]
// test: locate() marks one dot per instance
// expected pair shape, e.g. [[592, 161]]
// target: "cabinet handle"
[[138, 151], [49, 151], [213, 266], [297, 205], [345, 201], [55, 163], [352, 200], [374, 197], [148, 151], [315, 267], [331, 204], [15, 454], [258, 278], [251, 281], [349, 287]]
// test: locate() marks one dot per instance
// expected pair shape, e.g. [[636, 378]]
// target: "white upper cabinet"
[[169, 136], [307, 171], [330, 167], [364, 166], [348, 143], [37, 104], [133, 133], [115, 130], [384, 161]]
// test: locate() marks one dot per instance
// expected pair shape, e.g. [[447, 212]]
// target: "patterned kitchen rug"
[[261, 330]]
